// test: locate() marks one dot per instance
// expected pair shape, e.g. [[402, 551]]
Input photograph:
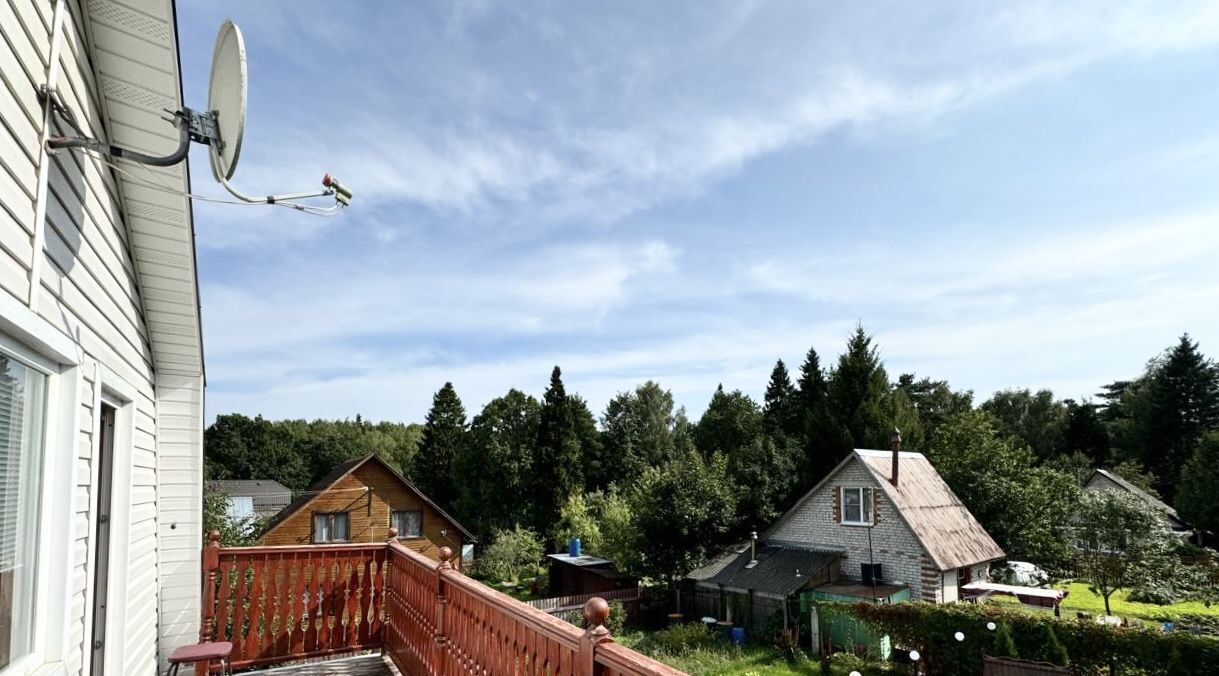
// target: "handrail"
[[280, 604]]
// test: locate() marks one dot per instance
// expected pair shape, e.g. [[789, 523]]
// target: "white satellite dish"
[[226, 96], [221, 127]]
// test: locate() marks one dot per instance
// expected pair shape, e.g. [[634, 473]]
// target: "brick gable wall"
[[893, 544]]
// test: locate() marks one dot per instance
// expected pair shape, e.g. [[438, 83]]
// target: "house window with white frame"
[[331, 527], [857, 505], [22, 414], [408, 522]]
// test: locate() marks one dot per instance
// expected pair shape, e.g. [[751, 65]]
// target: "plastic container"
[[573, 547], [738, 635]]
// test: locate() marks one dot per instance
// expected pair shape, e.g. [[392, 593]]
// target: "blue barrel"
[[738, 635], [573, 547]]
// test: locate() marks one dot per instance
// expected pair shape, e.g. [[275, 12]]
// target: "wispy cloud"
[[1010, 196]]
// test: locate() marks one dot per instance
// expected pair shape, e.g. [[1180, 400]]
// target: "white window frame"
[[45, 348], [865, 505]]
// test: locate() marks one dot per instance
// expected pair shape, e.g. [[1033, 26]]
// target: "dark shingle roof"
[[269, 496], [781, 568]]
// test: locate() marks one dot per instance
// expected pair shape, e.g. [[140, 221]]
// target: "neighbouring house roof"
[[717, 563], [269, 496], [581, 561], [946, 529], [780, 568], [1170, 513], [347, 467]]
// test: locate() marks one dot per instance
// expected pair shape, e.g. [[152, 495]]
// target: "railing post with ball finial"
[[441, 639], [596, 612], [211, 562]]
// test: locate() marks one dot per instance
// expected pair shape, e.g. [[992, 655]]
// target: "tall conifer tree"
[[432, 468], [780, 407], [858, 389], [557, 468], [820, 435]]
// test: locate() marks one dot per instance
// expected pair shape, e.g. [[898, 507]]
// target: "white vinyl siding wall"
[[88, 289]]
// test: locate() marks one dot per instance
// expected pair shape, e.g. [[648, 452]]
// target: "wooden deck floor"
[[360, 665]]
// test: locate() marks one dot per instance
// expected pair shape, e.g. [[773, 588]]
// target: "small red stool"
[[201, 652]]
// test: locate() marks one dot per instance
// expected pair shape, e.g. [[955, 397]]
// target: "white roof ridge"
[[872, 452]]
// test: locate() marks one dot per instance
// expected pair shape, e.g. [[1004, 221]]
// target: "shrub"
[[513, 553], [680, 639], [1052, 649], [1092, 647], [1158, 594], [616, 621], [1004, 646]]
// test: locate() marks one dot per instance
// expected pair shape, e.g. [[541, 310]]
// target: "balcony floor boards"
[[360, 665]]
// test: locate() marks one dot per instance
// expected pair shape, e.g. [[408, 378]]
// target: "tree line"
[[645, 485]]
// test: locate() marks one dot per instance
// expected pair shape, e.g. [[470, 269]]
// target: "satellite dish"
[[226, 97], [221, 127]]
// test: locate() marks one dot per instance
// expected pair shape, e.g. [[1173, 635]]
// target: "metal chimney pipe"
[[753, 546], [895, 445]]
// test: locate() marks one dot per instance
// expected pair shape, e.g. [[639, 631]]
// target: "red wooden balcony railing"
[[282, 604]]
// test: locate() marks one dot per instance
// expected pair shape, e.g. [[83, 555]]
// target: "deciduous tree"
[[496, 463], [1119, 540], [682, 512], [1035, 419]]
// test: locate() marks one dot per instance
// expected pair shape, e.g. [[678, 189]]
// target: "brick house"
[[882, 525], [358, 501], [920, 533]]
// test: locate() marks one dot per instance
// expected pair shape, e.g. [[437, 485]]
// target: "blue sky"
[[1019, 195]]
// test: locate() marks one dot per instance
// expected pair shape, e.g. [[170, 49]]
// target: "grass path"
[[1081, 598]]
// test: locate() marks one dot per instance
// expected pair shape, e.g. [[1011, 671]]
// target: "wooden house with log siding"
[[356, 502]]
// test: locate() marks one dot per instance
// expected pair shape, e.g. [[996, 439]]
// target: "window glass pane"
[[850, 505], [340, 526], [409, 524], [867, 504], [321, 527], [21, 421], [241, 508]]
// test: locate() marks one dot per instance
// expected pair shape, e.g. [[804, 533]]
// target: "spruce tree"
[[1197, 496], [1004, 646], [432, 468], [858, 389], [557, 469], [780, 407], [821, 440], [1052, 649], [1184, 394]]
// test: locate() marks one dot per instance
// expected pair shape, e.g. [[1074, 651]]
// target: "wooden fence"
[[281, 604], [558, 604]]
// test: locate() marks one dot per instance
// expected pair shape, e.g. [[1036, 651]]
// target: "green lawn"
[[1081, 598], [725, 659]]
